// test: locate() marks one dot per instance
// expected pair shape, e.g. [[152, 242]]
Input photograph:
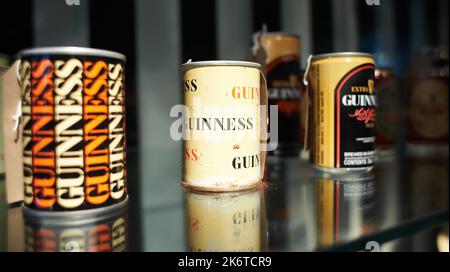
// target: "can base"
[[222, 189], [84, 215], [343, 171]]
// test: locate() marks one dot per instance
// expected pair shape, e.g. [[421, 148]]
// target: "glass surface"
[[296, 209]]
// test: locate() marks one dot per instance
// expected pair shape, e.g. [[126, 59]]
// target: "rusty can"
[[341, 111], [222, 148], [279, 54], [73, 128], [224, 222]]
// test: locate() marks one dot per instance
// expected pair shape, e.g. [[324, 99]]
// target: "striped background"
[[158, 35]]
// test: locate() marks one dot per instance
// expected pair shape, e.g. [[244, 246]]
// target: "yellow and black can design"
[[342, 111]]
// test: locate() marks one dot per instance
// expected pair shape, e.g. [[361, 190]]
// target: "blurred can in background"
[[342, 111], [100, 233], [223, 222], [222, 149], [4, 64], [279, 53], [73, 120], [388, 109], [427, 100]]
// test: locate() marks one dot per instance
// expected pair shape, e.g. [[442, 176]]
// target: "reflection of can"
[[281, 60], [388, 110], [73, 120], [225, 222], [222, 127], [342, 111], [345, 208], [102, 233], [4, 63]]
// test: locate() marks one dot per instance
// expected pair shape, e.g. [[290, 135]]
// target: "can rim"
[[342, 54], [71, 50], [197, 64], [281, 33]]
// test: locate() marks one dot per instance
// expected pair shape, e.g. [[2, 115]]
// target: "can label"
[[343, 113], [222, 128], [224, 222], [73, 132]]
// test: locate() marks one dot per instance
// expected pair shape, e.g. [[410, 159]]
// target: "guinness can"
[[222, 148], [224, 222], [73, 128], [279, 53], [342, 111]]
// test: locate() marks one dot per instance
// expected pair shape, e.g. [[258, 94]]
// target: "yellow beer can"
[[342, 111]]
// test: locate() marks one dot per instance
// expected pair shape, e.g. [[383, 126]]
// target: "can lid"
[[71, 50], [343, 54], [197, 64]]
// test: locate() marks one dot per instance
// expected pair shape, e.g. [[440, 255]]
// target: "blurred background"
[[159, 35]]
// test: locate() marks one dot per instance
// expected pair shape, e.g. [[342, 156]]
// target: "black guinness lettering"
[[246, 162]]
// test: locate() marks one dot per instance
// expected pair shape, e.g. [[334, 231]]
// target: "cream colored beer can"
[[222, 147], [224, 222]]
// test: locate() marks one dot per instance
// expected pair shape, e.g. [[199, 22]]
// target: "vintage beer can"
[[73, 128], [428, 101], [342, 111], [224, 222], [104, 232], [345, 208], [279, 53], [4, 64], [222, 146], [388, 109]]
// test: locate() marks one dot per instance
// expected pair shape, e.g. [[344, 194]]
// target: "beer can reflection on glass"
[[222, 150], [73, 128], [223, 222], [342, 112], [345, 208], [100, 232]]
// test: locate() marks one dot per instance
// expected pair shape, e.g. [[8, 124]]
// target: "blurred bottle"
[[345, 208], [107, 232], [427, 100], [224, 222]]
